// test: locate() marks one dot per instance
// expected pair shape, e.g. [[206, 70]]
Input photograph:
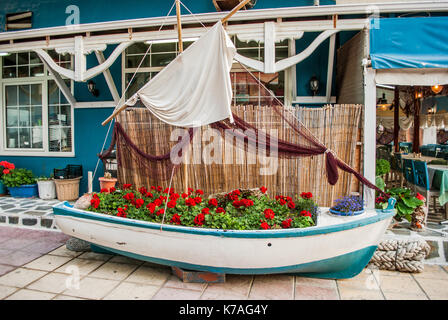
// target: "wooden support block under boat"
[[191, 276]]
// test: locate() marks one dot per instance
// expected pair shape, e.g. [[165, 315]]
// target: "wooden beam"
[[417, 107], [109, 80], [369, 157], [114, 114], [234, 10], [331, 51], [179, 26], [396, 119]]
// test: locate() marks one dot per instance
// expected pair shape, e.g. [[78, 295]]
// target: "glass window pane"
[[23, 58], [9, 72], [163, 47], [34, 58], [12, 137], [12, 117], [134, 61], [55, 137], [23, 71], [37, 71], [53, 92], [36, 116], [10, 60], [65, 117], [139, 81], [250, 53], [11, 95], [66, 139], [36, 94], [37, 138], [25, 138], [24, 116], [139, 47], [162, 59], [24, 95]]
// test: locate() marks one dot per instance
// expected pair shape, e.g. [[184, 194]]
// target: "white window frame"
[[44, 152]]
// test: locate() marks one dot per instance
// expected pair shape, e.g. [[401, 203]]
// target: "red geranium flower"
[[149, 195], [160, 211], [157, 202], [190, 202], [199, 191], [159, 188], [420, 197], [282, 201], [142, 190], [286, 223], [174, 196], [269, 214], [171, 204], [121, 213], [206, 211], [104, 190], [220, 210], [129, 196], [237, 204], [175, 219], [112, 189], [127, 186], [199, 219], [95, 202], [198, 200], [139, 203], [263, 189], [265, 226], [184, 195], [291, 205], [151, 207], [213, 202], [5, 171], [306, 195], [305, 213]]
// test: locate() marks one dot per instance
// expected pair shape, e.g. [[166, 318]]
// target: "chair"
[[408, 171], [422, 185]]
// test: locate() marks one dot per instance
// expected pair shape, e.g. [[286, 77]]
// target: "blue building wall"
[[89, 134]]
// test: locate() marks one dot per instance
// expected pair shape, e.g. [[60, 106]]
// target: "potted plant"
[[5, 168], [382, 168], [406, 204], [107, 181], [348, 206], [21, 183], [46, 187]]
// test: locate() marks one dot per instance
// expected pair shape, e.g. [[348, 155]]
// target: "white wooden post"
[[90, 182], [369, 134]]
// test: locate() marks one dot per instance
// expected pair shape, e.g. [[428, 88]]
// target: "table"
[[411, 156]]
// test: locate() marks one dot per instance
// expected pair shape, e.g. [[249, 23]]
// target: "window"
[[37, 118], [246, 89]]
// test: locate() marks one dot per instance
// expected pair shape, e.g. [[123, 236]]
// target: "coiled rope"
[[401, 255]]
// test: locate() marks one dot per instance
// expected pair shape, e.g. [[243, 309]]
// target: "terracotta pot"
[[106, 183]]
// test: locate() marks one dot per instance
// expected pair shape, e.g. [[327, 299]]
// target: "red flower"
[[380, 200], [206, 211], [160, 211], [305, 213], [142, 190], [157, 202], [213, 202], [190, 202], [286, 223], [129, 196], [104, 190], [184, 195], [121, 213], [288, 199], [190, 190], [237, 204], [175, 219], [265, 226], [237, 192], [139, 203], [291, 205], [153, 188], [151, 207], [282, 201], [7, 165], [159, 188], [199, 191], [112, 189], [198, 200], [420, 197], [174, 196], [168, 190], [263, 189], [306, 195], [171, 204], [199, 219], [5, 171], [149, 195], [269, 214], [220, 210], [95, 202], [127, 186]]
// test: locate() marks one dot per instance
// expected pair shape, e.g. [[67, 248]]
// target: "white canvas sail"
[[195, 88]]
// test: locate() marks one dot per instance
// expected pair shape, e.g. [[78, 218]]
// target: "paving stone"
[[401, 232], [46, 223], [2, 219], [14, 211], [434, 252], [26, 294], [433, 225], [428, 233], [27, 203], [13, 220], [75, 244], [29, 222], [7, 206], [44, 208]]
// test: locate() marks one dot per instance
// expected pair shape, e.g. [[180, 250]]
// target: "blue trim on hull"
[[340, 267], [64, 209]]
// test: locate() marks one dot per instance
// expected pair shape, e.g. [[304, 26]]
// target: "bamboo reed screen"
[[336, 126]]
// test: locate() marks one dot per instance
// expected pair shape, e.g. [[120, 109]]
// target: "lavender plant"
[[348, 204]]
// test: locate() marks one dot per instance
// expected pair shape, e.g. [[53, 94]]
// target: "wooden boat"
[[337, 247]]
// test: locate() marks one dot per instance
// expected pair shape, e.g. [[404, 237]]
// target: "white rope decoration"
[[401, 255]]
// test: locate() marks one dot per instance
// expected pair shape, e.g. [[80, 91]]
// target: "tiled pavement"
[[36, 265]]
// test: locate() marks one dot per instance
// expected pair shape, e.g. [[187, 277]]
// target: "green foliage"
[[18, 177], [379, 182], [406, 202], [382, 167], [228, 214]]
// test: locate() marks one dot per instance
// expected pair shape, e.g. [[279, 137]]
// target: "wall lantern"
[[92, 88], [314, 85], [436, 89], [382, 103]]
